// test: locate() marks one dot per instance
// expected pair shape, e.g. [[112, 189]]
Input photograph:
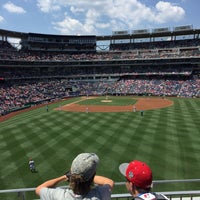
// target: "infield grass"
[[167, 139], [111, 101]]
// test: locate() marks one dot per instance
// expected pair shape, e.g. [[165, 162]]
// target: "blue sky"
[[98, 17]]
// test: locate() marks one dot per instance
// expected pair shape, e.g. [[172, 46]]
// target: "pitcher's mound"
[[106, 101]]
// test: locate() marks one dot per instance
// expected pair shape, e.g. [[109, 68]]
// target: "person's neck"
[[137, 193]]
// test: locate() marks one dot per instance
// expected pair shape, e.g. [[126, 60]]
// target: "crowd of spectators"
[[15, 95], [37, 84], [142, 52], [44, 72], [158, 87], [168, 44], [111, 55]]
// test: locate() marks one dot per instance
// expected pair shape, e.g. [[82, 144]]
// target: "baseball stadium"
[[124, 96]]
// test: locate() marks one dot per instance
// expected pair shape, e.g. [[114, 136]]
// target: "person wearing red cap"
[[139, 180]]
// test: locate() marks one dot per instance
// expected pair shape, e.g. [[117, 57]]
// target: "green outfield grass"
[[167, 139]]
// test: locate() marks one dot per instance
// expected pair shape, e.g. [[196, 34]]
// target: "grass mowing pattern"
[[167, 139]]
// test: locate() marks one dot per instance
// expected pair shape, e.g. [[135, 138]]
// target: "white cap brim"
[[122, 168]]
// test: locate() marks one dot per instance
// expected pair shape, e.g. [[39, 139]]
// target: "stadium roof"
[[12, 34], [168, 33], [150, 35]]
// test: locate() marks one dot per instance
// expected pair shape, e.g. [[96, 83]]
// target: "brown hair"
[[79, 186], [141, 190]]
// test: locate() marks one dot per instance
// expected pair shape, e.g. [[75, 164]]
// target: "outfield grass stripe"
[[167, 139]]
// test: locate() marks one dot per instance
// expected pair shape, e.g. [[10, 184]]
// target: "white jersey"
[[31, 164], [151, 196]]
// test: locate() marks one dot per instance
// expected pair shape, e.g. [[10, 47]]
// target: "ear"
[[133, 189]]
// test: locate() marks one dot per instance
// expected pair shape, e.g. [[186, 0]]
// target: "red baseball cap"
[[137, 172]]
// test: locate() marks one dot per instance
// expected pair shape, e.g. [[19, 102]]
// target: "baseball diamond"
[[141, 104]]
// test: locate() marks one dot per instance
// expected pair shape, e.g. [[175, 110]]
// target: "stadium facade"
[[158, 62]]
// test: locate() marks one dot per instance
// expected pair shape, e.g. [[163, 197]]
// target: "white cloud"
[[102, 25], [52, 5], [1, 19], [168, 12], [76, 10], [128, 15], [10, 7], [48, 5], [86, 15], [69, 26]]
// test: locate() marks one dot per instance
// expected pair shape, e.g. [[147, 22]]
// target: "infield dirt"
[[141, 104]]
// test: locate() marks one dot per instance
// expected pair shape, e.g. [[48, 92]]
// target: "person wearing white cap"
[[139, 180], [81, 177]]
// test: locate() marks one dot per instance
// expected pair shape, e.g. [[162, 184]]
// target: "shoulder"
[[160, 196], [104, 188], [58, 193], [100, 192]]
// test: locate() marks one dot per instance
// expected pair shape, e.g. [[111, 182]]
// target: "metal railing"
[[172, 195]]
